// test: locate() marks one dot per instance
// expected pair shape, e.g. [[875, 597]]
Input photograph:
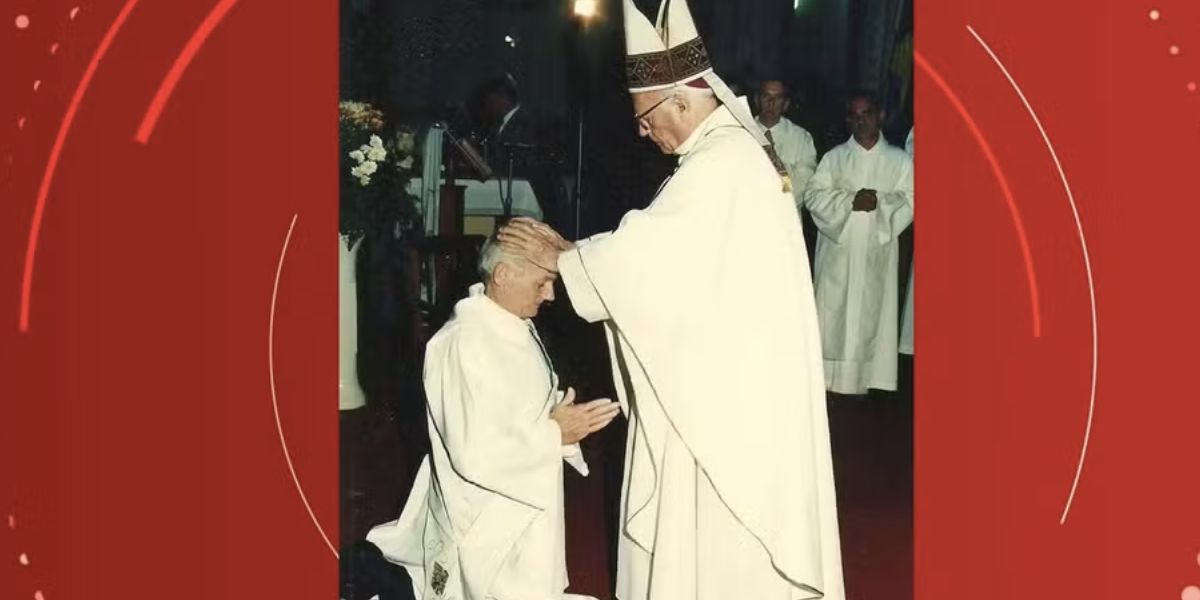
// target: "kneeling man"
[[484, 520]]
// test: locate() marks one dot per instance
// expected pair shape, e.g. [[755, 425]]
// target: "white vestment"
[[795, 148], [350, 392], [857, 260], [729, 489], [906, 320], [484, 519]]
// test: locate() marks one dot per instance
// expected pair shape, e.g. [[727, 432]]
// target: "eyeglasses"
[[641, 118]]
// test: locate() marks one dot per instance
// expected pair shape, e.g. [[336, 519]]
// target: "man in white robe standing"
[[861, 199], [708, 305], [484, 520], [793, 143]]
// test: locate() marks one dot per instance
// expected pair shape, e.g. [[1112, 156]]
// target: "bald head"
[[669, 116]]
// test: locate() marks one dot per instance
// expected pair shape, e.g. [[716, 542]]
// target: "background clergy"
[[861, 199], [792, 142], [708, 305], [484, 520]]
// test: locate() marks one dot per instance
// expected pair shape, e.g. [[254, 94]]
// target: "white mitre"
[[671, 53]]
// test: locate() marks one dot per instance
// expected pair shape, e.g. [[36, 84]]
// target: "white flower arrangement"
[[374, 174], [368, 156]]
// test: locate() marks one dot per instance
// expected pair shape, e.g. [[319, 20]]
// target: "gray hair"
[[691, 94], [490, 255]]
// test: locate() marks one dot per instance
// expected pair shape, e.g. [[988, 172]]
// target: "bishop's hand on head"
[[578, 421], [533, 241], [546, 232]]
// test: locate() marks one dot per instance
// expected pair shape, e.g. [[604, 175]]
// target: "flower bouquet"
[[377, 160]]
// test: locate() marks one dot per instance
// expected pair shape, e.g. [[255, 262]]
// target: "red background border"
[[139, 453]]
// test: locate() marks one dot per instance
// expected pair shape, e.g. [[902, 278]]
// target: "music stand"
[[479, 167]]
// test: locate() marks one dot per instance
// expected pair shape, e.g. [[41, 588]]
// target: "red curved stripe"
[[999, 173], [39, 208], [167, 87]]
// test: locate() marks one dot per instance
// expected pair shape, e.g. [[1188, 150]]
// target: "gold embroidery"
[[663, 68], [439, 578], [778, 164]]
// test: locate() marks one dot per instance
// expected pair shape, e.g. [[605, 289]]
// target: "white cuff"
[[573, 454]]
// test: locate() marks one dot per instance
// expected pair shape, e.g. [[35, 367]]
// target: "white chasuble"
[[857, 259], [729, 489], [485, 517]]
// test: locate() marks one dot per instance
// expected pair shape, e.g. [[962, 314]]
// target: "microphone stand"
[[579, 171], [506, 198]]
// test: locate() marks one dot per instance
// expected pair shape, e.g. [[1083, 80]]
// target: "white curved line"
[[274, 401], [1087, 263]]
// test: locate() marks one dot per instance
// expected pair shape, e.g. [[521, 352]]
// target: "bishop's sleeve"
[[646, 267], [829, 206], [492, 437], [584, 299], [651, 255], [894, 212]]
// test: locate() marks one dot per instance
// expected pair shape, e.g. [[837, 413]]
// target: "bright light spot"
[[22, 21], [796, 4], [37, 84], [1154, 15], [1191, 88], [585, 8], [74, 11], [53, 48], [12, 521], [24, 559], [1190, 592], [21, 123], [1174, 50], [38, 595]]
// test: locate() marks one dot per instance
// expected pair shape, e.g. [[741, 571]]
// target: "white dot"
[[37, 84], [24, 559], [12, 521], [1190, 592], [21, 123], [74, 11], [53, 48], [38, 595], [1173, 50], [22, 21], [1154, 15]]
